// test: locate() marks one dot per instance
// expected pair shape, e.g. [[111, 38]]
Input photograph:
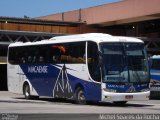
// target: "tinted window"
[[92, 57], [155, 64], [53, 53], [74, 53]]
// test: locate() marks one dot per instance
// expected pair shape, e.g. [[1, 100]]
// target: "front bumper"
[[110, 97]]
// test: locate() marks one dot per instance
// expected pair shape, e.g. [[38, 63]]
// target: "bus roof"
[[155, 57], [96, 37]]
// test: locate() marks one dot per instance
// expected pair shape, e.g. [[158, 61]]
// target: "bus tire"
[[120, 102], [79, 96], [26, 91]]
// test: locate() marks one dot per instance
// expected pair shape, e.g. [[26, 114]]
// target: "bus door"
[[94, 71]]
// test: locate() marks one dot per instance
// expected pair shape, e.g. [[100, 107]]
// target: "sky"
[[37, 8]]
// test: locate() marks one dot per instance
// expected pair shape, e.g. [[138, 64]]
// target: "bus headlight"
[[109, 90]]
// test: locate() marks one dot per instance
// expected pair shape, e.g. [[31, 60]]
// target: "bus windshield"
[[124, 62]]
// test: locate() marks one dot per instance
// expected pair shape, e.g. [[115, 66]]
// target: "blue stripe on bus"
[[155, 77], [155, 74], [43, 81]]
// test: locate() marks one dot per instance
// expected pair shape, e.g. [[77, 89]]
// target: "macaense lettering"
[[38, 69]]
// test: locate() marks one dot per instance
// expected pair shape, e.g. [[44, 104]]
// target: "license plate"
[[129, 97]]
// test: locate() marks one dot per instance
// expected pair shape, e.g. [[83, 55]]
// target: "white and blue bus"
[[155, 76], [85, 67]]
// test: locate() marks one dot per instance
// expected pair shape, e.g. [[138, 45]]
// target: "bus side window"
[[55, 53], [41, 59], [68, 53], [93, 66], [29, 59], [155, 64], [76, 53], [11, 55], [14, 55]]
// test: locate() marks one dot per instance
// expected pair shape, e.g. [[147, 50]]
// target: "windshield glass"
[[124, 62]]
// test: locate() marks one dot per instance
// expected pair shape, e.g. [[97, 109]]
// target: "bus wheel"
[[120, 102], [26, 91], [79, 96]]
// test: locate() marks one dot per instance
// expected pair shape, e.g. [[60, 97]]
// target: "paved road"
[[13, 104]]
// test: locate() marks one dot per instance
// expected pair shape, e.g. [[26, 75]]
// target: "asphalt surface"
[[15, 107]]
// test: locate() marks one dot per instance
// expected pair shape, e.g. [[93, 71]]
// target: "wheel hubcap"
[[27, 91], [27, 94]]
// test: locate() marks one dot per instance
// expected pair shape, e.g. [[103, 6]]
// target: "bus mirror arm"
[[100, 63], [100, 53], [100, 58]]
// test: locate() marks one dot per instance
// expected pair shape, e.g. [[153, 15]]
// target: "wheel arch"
[[26, 82], [79, 85]]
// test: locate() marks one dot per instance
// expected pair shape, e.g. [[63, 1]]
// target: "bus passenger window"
[[54, 59], [41, 59], [69, 53], [76, 52], [34, 59], [29, 59], [23, 60]]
